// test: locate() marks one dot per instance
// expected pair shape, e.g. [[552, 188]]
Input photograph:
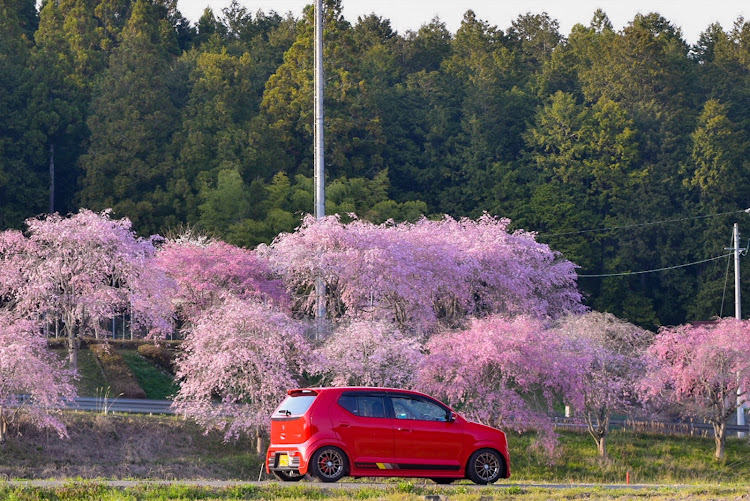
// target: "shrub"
[[159, 355]]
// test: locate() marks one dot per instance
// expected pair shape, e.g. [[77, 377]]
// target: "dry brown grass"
[[122, 446]]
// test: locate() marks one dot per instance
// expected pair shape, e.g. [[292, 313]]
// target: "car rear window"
[[295, 405]]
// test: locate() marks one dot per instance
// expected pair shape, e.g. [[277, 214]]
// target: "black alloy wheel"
[[485, 466], [329, 464]]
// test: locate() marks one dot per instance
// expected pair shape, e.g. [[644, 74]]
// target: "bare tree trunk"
[[72, 351], [72, 342], [3, 426], [259, 444], [720, 438], [599, 429], [602, 446]]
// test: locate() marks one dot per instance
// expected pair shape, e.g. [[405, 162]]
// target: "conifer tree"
[[132, 121]]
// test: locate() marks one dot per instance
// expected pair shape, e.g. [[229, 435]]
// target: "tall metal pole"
[[320, 197], [737, 304], [51, 178], [738, 310]]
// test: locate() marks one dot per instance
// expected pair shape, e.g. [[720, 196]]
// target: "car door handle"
[[344, 425], [404, 429]]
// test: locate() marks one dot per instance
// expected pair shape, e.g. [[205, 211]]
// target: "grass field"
[[649, 458], [117, 446], [402, 491]]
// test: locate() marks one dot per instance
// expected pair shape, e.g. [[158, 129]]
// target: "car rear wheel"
[[329, 464], [485, 466], [288, 476]]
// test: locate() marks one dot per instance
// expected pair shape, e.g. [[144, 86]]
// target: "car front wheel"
[[329, 464], [485, 466]]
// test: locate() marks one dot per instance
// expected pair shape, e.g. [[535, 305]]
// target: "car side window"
[[349, 403], [363, 405], [371, 406], [418, 409]]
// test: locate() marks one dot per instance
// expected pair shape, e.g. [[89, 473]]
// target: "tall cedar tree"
[[132, 121]]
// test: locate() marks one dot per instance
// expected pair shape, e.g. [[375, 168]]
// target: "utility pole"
[[51, 178], [320, 197], [738, 314]]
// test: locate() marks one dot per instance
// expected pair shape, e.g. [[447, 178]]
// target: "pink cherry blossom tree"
[[238, 360], [369, 353], [609, 354], [14, 251], [502, 371], [33, 381], [205, 271], [89, 267], [700, 369], [424, 274]]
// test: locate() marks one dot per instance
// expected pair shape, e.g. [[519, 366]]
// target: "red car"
[[369, 432]]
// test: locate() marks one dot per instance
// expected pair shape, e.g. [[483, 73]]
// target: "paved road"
[[124, 484]]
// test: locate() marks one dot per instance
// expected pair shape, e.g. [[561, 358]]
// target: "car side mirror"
[[451, 417]]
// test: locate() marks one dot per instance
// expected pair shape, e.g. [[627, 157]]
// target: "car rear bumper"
[[286, 458]]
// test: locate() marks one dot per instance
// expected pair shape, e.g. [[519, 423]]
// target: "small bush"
[[57, 343], [160, 356], [131, 344], [118, 374]]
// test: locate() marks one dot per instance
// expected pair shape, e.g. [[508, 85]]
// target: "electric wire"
[[655, 270], [636, 225]]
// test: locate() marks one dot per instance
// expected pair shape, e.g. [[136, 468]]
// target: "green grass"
[[649, 458], [155, 382], [91, 381], [91, 491]]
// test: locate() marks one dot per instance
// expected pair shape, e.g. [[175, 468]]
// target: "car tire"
[[485, 466], [329, 464], [443, 481], [288, 476]]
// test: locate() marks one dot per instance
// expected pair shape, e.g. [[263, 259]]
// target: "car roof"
[[322, 389]]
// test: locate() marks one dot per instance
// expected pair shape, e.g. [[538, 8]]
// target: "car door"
[[426, 437], [363, 425]]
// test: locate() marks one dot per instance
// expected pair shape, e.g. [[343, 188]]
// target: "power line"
[[636, 225], [655, 270]]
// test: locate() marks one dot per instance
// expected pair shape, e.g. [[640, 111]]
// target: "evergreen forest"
[[625, 149]]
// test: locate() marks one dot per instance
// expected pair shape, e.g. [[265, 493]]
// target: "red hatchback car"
[[368, 432]]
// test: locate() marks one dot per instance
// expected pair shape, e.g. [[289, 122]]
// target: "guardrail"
[[142, 406], [657, 426], [101, 404], [133, 405]]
